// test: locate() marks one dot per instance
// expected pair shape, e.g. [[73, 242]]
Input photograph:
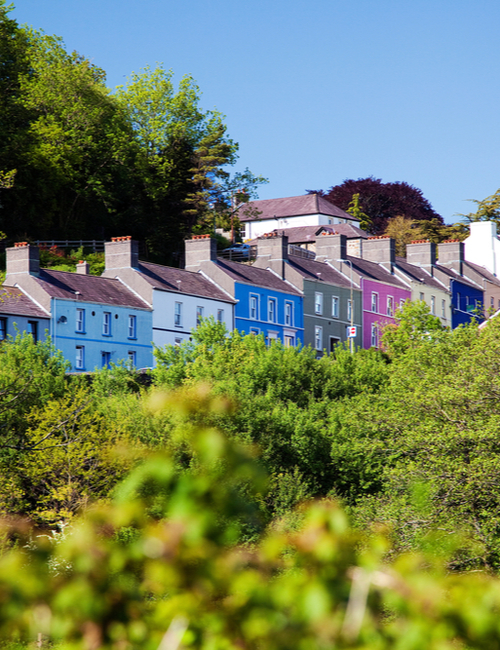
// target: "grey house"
[[332, 302]]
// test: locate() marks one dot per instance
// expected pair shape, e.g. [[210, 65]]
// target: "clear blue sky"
[[318, 91]]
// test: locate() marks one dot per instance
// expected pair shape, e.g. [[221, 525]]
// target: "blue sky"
[[318, 91]]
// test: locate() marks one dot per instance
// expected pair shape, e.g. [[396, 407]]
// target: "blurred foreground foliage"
[[159, 565]]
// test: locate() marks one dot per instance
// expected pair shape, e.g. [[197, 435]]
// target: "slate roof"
[[87, 288], [168, 278], [487, 275], [373, 271], [305, 234], [16, 303], [259, 277], [455, 276], [292, 206], [311, 270], [418, 274]]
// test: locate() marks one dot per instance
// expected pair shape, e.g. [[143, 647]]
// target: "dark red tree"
[[381, 201]]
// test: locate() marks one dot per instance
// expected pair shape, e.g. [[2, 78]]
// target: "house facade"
[[179, 299], [20, 314], [260, 217], [94, 321], [265, 303]]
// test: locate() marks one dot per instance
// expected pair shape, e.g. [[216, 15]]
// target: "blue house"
[[265, 304], [93, 321]]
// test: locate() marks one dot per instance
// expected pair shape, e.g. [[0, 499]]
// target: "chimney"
[[482, 246], [121, 253], [200, 249], [82, 268], [451, 253], [22, 259], [355, 247], [381, 250], [421, 253], [330, 248], [272, 252]]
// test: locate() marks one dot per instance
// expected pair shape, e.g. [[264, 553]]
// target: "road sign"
[[351, 332]]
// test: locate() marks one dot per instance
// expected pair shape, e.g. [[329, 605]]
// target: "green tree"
[[356, 210], [487, 210]]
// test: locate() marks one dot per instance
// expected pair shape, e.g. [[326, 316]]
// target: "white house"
[[179, 298], [260, 217]]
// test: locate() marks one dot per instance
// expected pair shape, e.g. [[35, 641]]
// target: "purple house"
[[371, 266]]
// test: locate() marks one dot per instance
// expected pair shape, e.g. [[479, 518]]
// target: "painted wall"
[[333, 328], [117, 346], [482, 247], [379, 317], [16, 324], [255, 229], [464, 299], [165, 330], [245, 323], [440, 299]]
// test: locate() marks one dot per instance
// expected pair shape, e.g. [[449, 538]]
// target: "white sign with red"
[[351, 332]]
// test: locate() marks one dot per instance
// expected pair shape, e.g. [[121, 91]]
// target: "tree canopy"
[[78, 161], [381, 201]]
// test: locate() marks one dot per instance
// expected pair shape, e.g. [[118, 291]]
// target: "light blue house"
[[93, 321], [265, 304]]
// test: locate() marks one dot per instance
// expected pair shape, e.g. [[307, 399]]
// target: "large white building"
[[260, 217]]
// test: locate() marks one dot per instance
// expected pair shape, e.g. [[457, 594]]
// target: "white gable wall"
[[255, 229], [482, 247]]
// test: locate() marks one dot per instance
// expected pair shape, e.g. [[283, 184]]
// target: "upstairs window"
[[375, 302], [132, 327], [433, 305], [220, 315], [318, 303], [390, 305], [80, 320], [106, 324], [271, 310], [335, 307], [254, 312], [199, 315], [178, 314], [3, 329], [289, 314], [33, 329]]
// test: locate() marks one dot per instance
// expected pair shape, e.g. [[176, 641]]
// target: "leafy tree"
[[356, 210], [487, 210], [403, 231], [381, 201]]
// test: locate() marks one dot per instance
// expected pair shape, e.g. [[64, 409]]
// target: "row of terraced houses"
[[313, 274]]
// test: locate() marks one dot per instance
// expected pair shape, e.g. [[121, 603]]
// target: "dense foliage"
[[78, 162], [381, 201]]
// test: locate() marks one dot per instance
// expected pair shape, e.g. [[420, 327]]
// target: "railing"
[[298, 251], [245, 255], [96, 245]]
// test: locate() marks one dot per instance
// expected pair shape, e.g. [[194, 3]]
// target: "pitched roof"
[[453, 275], [312, 270], [88, 288], [16, 303], [419, 274], [305, 234], [374, 271], [487, 275], [168, 278], [258, 277], [292, 206]]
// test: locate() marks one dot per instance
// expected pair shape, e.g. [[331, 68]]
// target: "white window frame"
[[335, 306], [374, 336], [178, 314], [318, 303], [318, 337], [390, 306], [199, 314], [254, 307], [272, 308], [288, 313], [80, 357], [433, 305], [374, 302], [80, 320], [106, 323], [132, 326]]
